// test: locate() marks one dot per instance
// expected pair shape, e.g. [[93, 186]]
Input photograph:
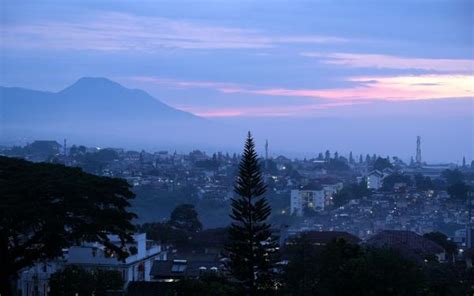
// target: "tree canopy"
[[340, 268], [351, 191], [47, 207], [185, 217], [382, 163]]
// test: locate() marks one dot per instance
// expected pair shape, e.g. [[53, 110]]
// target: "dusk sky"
[[240, 59]]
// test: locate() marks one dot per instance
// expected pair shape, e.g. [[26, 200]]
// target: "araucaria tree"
[[251, 248]]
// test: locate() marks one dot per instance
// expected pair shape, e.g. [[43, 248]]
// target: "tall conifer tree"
[[251, 247]]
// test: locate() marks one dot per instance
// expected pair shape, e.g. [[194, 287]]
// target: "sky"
[[259, 60]]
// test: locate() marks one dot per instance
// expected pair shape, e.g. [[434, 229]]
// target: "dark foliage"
[[459, 190], [210, 164], [351, 191], [251, 248], [166, 234], [391, 180], [423, 183], [97, 161], [337, 165], [47, 207], [453, 176], [185, 217], [381, 164], [74, 280], [456, 185], [210, 285], [340, 268], [441, 239]]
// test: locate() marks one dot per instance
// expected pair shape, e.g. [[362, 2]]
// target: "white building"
[[331, 189], [311, 197], [34, 281], [375, 180], [135, 267]]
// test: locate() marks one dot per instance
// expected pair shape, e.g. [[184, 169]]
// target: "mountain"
[[92, 108], [87, 100]]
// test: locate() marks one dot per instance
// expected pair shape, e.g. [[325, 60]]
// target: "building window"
[[179, 266]]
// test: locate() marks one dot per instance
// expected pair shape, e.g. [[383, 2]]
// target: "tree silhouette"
[[47, 207], [185, 217], [251, 248]]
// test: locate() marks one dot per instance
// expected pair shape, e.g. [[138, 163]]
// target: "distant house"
[[375, 180], [189, 268], [135, 267], [282, 160], [35, 279], [331, 186], [408, 244], [91, 256], [400, 187]]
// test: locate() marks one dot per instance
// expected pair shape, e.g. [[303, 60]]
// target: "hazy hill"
[[92, 109], [87, 100]]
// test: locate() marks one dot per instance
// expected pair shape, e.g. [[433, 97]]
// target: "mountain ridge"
[[94, 110], [88, 97]]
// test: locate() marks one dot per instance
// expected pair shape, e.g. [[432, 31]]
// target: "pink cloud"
[[407, 87], [267, 111], [355, 60], [368, 89]]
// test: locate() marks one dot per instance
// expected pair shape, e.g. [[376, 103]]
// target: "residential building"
[[134, 268], [408, 244], [34, 281], [375, 180], [186, 268], [310, 197]]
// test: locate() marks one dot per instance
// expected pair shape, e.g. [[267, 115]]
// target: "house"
[[135, 267], [90, 256], [375, 180], [35, 280], [331, 186], [409, 244], [186, 268]]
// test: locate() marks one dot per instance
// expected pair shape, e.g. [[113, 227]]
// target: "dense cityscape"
[[364, 199]]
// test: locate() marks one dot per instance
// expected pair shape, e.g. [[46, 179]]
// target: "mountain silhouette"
[[88, 100], [92, 109]]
